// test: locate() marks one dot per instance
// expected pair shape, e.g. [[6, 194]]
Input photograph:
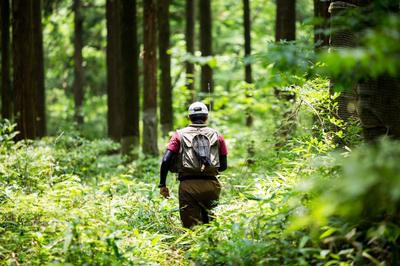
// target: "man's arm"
[[172, 151], [223, 154], [223, 163], [167, 159]]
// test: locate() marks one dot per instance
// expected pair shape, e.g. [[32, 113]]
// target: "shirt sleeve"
[[223, 149], [175, 143]]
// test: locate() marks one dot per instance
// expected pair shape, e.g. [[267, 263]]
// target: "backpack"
[[199, 152]]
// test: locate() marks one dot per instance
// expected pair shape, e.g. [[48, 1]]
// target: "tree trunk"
[[78, 62], [189, 38], [378, 100], [166, 110], [6, 92], [378, 106], [28, 71], [285, 20], [206, 44], [247, 40], [321, 13], [38, 67], [114, 92], [130, 77], [343, 38], [247, 54], [150, 78]]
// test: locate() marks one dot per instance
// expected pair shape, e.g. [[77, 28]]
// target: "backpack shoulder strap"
[[179, 133]]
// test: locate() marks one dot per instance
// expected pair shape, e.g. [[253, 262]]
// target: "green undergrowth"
[[321, 198]]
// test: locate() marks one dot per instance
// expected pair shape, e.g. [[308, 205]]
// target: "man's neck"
[[202, 124], [199, 122]]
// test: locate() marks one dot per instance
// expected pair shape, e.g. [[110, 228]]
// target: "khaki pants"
[[196, 198]]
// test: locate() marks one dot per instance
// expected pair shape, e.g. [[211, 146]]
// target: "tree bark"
[[247, 40], [321, 13], [378, 99], [343, 38], [189, 38], [285, 20], [206, 44], [247, 53], [166, 110], [130, 77], [114, 91], [378, 106], [38, 67], [28, 74], [149, 142], [78, 62], [6, 91]]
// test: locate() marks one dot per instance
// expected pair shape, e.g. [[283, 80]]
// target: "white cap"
[[198, 108]]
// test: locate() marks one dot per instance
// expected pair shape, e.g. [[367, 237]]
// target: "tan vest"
[[188, 164]]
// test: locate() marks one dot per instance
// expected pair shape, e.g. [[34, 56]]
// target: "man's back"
[[200, 152]]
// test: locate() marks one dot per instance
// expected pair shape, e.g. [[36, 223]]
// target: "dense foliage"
[[66, 199]]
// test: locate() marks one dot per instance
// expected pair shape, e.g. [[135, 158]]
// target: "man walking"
[[197, 153]]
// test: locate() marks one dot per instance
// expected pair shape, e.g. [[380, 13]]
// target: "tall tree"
[[285, 29], [114, 92], [78, 61], [247, 53], [6, 92], [247, 40], [285, 20], [206, 43], [149, 142], [378, 99], [165, 67], [321, 14], [130, 76], [189, 38], [342, 36], [38, 66], [28, 74]]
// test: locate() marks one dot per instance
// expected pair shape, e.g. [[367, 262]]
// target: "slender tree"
[[285, 20], [285, 30], [28, 74], [247, 40], [166, 110], [189, 38], [6, 92], [114, 92], [130, 76], [321, 14], [38, 66], [247, 53], [78, 61], [149, 142], [206, 43]]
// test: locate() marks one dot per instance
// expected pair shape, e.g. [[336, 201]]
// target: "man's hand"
[[164, 192]]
